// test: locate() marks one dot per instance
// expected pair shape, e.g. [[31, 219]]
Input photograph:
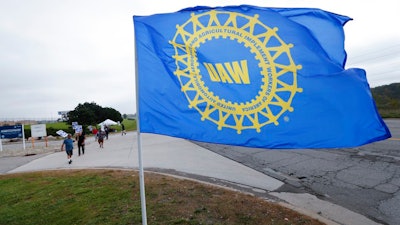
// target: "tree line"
[[91, 114]]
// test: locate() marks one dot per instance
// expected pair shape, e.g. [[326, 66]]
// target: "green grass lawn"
[[130, 125], [58, 125], [113, 197]]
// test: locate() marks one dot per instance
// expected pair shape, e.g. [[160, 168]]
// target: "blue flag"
[[252, 76]]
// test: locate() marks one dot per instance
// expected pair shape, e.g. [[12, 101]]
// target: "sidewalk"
[[160, 152], [183, 158]]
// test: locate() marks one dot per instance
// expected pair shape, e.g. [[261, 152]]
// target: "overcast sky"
[[55, 54]]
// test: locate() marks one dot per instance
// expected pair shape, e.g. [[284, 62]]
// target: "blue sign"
[[11, 131]]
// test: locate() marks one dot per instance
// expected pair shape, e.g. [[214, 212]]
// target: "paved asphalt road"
[[365, 179]]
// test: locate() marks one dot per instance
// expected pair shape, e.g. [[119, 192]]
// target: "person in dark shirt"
[[106, 130], [81, 143], [123, 129]]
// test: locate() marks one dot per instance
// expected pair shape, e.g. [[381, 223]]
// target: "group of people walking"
[[99, 136]]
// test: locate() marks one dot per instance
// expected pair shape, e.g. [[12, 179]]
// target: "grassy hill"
[[387, 100]]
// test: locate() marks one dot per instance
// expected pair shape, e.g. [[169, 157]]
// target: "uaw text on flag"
[[252, 76]]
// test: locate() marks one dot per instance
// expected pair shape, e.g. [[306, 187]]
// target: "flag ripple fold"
[[252, 76]]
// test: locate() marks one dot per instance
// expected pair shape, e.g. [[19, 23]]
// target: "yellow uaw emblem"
[[216, 54]]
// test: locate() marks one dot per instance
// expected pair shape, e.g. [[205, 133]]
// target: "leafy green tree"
[[91, 113], [112, 114]]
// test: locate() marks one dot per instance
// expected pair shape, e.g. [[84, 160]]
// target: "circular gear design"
[[276, 70]]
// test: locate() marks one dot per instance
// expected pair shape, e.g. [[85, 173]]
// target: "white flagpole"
[[139, 142], [141, 177]]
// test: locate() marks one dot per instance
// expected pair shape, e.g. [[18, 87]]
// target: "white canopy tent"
[[108, 122]]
